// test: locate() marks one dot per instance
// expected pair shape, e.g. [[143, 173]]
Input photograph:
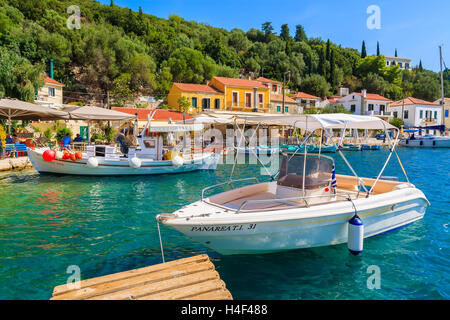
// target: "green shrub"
[[48, 134], [97, 136], [62, 132], [397, 122]]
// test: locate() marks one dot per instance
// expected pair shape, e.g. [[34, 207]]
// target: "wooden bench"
[[15, 149], [192, 278]]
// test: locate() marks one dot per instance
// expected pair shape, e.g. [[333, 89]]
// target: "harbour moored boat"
[[151, 156], [308, 206]]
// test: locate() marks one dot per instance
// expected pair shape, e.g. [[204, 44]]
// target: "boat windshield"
[[318, 171]]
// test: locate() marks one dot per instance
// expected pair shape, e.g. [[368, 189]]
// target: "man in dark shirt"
[[78, 138]]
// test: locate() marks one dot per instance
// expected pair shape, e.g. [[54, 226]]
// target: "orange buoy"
[[73, 157], [79, 155]]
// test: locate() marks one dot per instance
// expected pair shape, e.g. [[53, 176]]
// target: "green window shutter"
[[278, 109], [194, 102]]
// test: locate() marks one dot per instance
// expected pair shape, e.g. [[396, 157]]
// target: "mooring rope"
[[160, 242]]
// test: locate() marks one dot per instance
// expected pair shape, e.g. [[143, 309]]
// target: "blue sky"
[[415, 27]]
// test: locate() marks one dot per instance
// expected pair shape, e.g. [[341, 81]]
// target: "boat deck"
[[193, 278]]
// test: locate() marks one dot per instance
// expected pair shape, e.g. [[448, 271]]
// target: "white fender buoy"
[[355, 235], [59, 155], [135, 162], [177, 161], [92, 162]]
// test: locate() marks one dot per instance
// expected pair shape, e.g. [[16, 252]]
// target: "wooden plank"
[[127, 274], [135, 280], [157, 287], [187, 292], [213, 295]]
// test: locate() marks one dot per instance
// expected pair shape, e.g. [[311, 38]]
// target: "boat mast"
[[442, 88]]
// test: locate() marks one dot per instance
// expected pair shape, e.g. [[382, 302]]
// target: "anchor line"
[[160, 242]]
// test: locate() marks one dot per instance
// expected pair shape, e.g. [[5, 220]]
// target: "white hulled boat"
[[146, 158], [308, 206]]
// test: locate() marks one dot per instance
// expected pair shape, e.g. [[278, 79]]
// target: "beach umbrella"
[[12, 109]]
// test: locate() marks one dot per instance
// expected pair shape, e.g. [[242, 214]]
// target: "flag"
[[333, 179]]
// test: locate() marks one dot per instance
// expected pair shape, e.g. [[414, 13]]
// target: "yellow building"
[[242, 95], [201, 96]]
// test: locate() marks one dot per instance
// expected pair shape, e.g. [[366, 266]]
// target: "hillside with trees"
[[120, 53]]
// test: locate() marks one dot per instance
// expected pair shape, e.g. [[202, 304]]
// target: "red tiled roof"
[[413, 101], [192, 87], [279, 97], [52, 81], [240, 82], [160, 115], [305, 96], [372, 96], [262, 79]]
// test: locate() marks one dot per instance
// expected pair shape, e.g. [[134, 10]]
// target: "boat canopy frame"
[[323, 122]]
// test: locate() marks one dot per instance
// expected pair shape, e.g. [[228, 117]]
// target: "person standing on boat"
[[123, 145]]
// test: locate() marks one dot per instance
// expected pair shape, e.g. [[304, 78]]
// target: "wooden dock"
[[193, 278]]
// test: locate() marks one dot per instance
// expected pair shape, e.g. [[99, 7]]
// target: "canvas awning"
[[96, 113], [206, 119], [21, 110], [313, 122], [12, 109], [175, 127]]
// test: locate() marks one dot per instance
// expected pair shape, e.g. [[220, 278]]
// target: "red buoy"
[[49, 155]]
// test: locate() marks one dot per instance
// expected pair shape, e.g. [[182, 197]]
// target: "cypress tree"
[[332, 79], [322, 65], [111, 4], [396, 52], [363, 50], [420, 66], [300, 34], [284, 34], [378, 48], [328, 50]]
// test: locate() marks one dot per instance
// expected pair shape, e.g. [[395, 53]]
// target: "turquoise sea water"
[[106, 225]]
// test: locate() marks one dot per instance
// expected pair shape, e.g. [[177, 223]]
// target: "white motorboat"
[[426, 141], [147, 158], [308, 206]]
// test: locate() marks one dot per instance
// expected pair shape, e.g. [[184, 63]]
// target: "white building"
[[363, 103], [51, 94], [417, 113], [403, 63]]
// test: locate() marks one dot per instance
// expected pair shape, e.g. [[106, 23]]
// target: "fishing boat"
[[150, 156], [308, 205], [349, 147], [426, 141], [370, 147]]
